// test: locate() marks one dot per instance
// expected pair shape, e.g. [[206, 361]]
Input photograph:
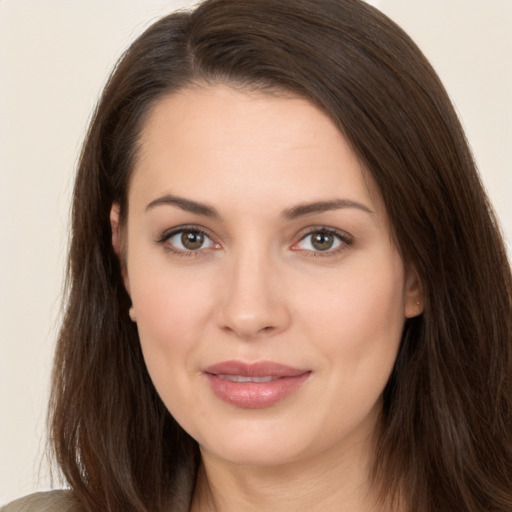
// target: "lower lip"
[[255, 395]]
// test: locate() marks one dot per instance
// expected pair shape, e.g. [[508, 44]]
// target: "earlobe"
[[131, 313], [117, 242], [414, 299]]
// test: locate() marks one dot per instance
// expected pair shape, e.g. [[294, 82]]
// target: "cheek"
[[356, 326], [359, 320], [172, 312], [169, 322]]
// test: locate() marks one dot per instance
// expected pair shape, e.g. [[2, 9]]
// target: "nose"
[[254, 301]]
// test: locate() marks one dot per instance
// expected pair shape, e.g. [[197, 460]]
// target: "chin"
[[253, 443], [257, 455]]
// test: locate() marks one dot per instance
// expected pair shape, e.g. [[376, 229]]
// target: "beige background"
[[54, 58]]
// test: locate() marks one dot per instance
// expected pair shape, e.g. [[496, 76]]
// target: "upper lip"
[[259, 369]]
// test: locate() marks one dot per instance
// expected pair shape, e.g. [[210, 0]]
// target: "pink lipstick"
[[256, 385]]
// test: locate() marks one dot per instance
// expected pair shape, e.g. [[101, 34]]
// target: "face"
[[268, 293]]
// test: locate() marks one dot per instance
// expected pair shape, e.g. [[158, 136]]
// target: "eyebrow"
[[289, 214], [323, 206], [185, 204]]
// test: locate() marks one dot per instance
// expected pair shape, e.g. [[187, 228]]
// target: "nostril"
[[249, 313], [249, 331]]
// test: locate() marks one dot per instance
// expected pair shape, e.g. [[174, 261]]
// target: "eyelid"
[[345, 238], [169, 233]]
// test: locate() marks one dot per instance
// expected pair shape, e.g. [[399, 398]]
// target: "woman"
[[287, 287]]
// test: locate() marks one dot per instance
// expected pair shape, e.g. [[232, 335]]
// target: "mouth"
[[243, 378], [256, 385]]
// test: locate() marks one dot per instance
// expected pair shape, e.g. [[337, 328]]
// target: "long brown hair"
[[444, 440]]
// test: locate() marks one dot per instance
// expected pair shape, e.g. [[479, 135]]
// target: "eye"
[[187, 240], [323, 240]]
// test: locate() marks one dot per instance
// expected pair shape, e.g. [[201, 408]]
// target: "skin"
[[259, 290]]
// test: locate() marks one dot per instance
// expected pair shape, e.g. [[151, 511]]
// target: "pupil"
[[322, 241], [192, 239]]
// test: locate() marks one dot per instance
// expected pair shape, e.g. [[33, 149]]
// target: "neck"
[[335, 480]]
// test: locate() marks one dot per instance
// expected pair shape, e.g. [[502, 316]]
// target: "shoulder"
[[52, 501]]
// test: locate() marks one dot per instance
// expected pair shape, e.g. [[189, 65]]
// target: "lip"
[[254, 385]]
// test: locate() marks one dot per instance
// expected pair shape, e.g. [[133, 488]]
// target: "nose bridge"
[[253, 302]]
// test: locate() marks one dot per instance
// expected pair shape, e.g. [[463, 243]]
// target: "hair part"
[[444, 438]]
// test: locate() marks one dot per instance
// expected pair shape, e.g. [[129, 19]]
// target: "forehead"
[[218, 143]]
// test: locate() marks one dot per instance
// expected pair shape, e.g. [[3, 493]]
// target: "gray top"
[[52, 501]]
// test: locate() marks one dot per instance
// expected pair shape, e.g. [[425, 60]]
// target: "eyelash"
[[344, 239], [167, 235]]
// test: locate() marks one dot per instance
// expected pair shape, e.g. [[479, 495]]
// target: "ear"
[[115, 212], [414, 300], [117, 242]]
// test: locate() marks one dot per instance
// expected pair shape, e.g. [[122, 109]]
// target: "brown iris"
[[322, 241], [192, 240]]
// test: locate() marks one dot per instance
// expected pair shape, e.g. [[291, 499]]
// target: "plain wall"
[[54, 59]]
